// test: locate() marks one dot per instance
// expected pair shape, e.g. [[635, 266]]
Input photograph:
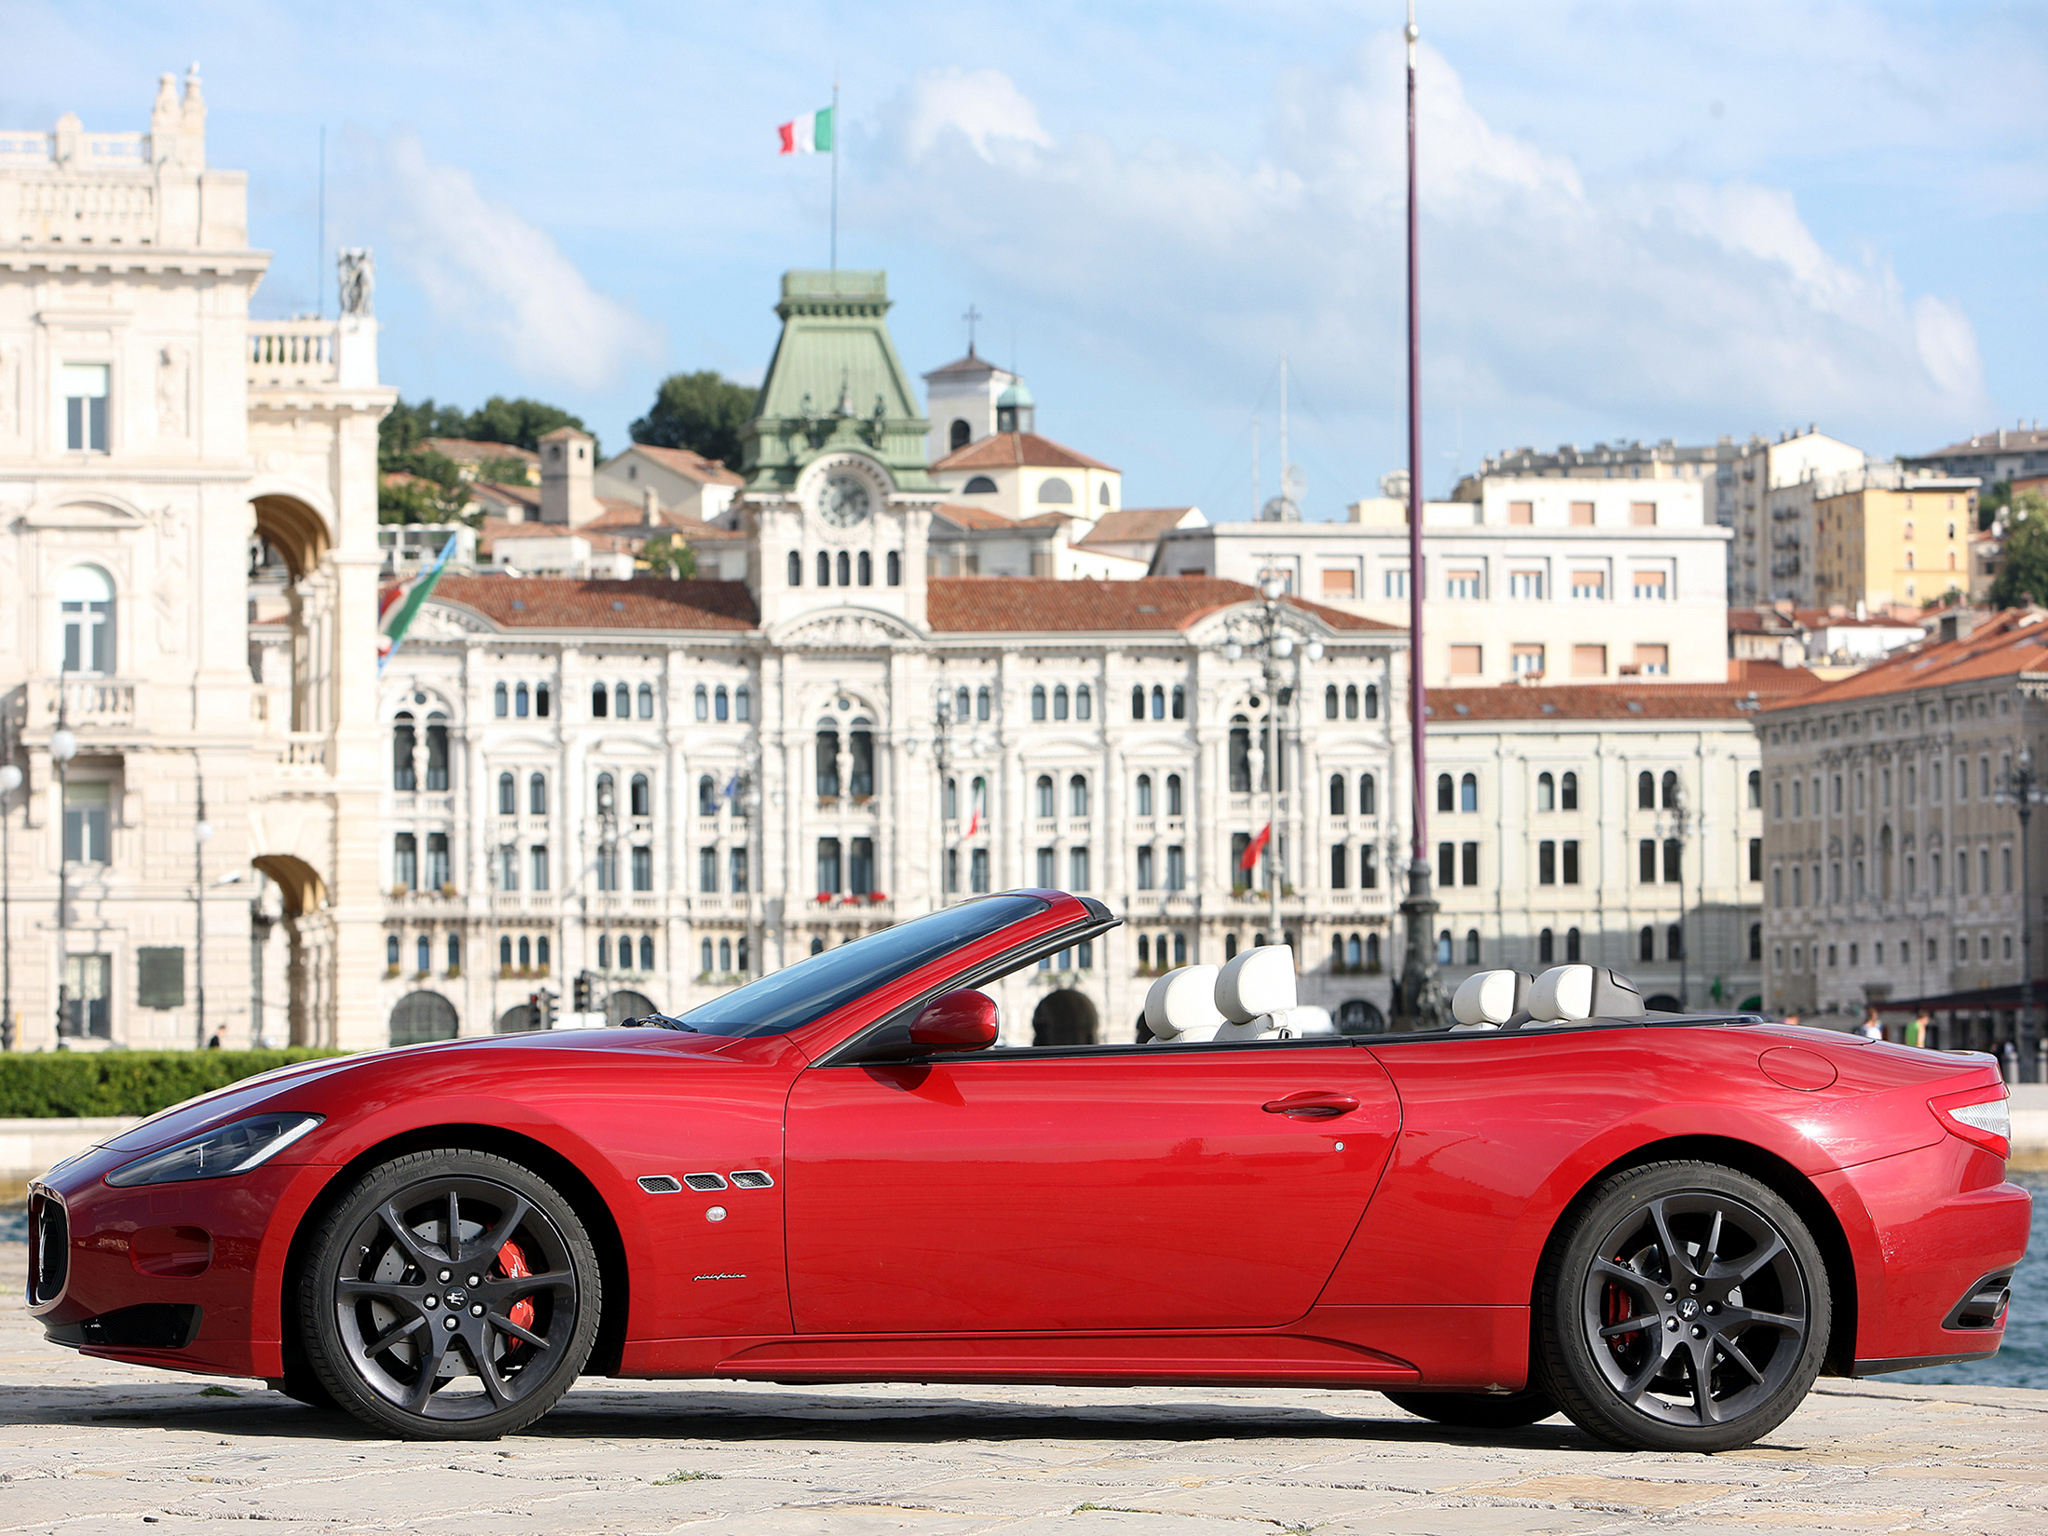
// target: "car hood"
[[253, 1095]]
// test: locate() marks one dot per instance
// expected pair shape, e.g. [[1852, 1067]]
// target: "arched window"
[[701, 698], [1337, 794], [1670, 791], [1077, 796], [508, 795], [501, 701], [638, 796], [645, 698], [720, 705], [1180, 702], [1144, 794], [437, 753], [860, 752], [1468, 792], [1044, 795], [391, 951], [1446, 793], [606, 794], [984, 703], [1144, 952], [622, 703], [1351, 701], [540, 698], [1756, 789], [519, 701], [1546, 948], [1571, 946], [537, 794], [1173, 794], [1756, 941], [405, 861], [1330, 702], [1230, 946], [1471, 946], [1443, 947], [1059, 702], [1546, 792], [1240, 755], [707, 795], [824, 569], [951, 806], [1055, 492], [1137, 701], [1368, 795], [979, 485], [959, 435], [600, 701], [85, 602], [505, 952], [1568, 792], [1646, 943], [1674, 942], [894, 567], [743, 703], [1084, 703], [704, 954], [646, 952], [865, 569], [604, 951], [1180, 950], [402, 744], [1646, 791], [796, 569], [845, 569], [961, 703], [1372, 701], [454, 954], [525, 951], [1354, 953], [1158, 703], [1038, 701], [817, 948], [828, 759]]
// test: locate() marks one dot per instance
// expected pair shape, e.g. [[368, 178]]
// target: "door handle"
[[1312, 1104]]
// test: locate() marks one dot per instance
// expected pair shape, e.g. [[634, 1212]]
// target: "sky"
[[1639, 221]]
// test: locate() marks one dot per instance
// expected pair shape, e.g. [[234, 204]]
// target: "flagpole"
[[835, 170]]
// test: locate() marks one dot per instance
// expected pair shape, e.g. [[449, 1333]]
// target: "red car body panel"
[[1094, 1214]]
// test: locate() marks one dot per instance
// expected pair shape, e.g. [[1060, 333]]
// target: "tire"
[[1478, 1410], [511, 1302], [1683, 1307]]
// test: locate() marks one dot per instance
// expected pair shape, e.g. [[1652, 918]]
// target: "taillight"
[[1980, 1116]]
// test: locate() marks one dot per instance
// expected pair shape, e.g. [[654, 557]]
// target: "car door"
[[1104, 1187]]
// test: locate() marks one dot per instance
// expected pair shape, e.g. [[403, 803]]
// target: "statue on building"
[[358, 280]]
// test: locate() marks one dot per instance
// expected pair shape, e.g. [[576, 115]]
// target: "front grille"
[[153, 1325], [1984, 1303], [49, 1249]]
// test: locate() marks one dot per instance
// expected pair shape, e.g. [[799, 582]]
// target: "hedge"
[[40, 1085]]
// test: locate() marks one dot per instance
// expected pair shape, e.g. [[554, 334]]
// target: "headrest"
[[1489, 999], [1567, 994], [1257, 981], [1182, 1000]]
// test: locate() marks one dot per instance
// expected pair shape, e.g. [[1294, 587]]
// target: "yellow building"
[[1883, 537]]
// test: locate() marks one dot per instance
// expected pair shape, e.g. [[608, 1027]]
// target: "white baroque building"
[[672, 785], [151, 436]]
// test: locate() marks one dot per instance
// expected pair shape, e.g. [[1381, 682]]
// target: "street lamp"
[[63, 748], [202, 834], [2019, 788], [1673, 828], [10, 781], [1265, 635], [608, 869]]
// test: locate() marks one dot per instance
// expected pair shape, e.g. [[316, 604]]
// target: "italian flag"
[[810, 134]]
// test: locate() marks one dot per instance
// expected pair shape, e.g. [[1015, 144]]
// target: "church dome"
[[1018, 394]]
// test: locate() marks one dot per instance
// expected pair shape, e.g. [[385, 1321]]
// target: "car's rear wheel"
[[1478, 1410], [1685, 1308], [450, 1295]]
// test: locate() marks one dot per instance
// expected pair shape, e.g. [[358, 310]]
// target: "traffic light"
[[582, 996], [545, 1012]]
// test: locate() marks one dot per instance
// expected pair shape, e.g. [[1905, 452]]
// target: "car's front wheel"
[[450, 1295], [1685, 1308]]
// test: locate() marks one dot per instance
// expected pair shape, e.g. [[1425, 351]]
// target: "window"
[[1059, 702], [437, 860], [1546, 792], [845, 569], [1642, 514], [1582, 514], [1240, 755], [643, 868], [1589, 661], [391, 951], [1446, 865], [607, 866], [1043, 794], [647, 950], [1336, 794], [952, 871], [437, 753], [601, 701], [85, 407], [860, 752], [828, 759], [1372, 701], [1077, 869], [1525, 584], [1468, 859], [540, 705], [1158, 703], [1673, 855], [828, 866], [1340, 583], [1646, 791], [519, 700], [645, 696], [1368, 799], [537, 794], [604, 951], [2005, 864], [1465, 660], [1568, 792], [1340, 866], [1173, 794], [1756, 789], [623, 708], [707, 795], [1545, 948], [736, 871], [508, 795], [1468, 792], [796, 569], [1546, 863], [1471, 946], [1048, 872], [1137, 702], [977, 872], [864, 569], [1589, 586], [1526, 660], [85, 822], [1521, 514], [537, 860], [501, 705], [824, 569], [1443, 947], [1646, 862], [1176, 867], [405, 852], [894, 569], [1674, 942], [1461, 584], [1394, 584], [1144, 794], [1053, 491], [1038, 701], [1084, 703], [508, 867], [402, 743], [1756, 859], [1570, 848], [1670, 790], [860, 866], [1077, 796], [1653, 660], [1646, 943], [982, 703]]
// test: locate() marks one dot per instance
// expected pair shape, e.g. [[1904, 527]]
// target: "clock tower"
[[837, 500]]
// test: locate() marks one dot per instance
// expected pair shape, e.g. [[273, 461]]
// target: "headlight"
[[226, 1149]]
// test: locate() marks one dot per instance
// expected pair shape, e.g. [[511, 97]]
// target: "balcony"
[[293, 354], [85, 703], [523, 904], [303, 755]]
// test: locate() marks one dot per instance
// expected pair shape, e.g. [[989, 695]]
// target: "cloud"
[[486, 270], [1549, 295]]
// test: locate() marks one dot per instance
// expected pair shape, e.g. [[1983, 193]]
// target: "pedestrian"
[[213, 1044], [1872, 1027], [1792, 1017], [1916, 1032]]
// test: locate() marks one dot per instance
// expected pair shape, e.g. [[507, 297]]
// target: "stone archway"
[[309, 937], [422, 1016], [295, 531], [623, 1005], [1065, 1017]]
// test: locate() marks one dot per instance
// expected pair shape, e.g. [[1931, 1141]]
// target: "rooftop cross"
[[972, 316]]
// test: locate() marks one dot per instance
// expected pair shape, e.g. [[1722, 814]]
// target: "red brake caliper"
[[1617, 1306], [513, 1266]]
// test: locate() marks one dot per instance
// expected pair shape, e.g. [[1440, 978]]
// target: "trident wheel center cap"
[[458, 1298], [1687, 1309]]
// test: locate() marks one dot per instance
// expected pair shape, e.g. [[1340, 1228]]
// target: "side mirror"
[[958, 1021]]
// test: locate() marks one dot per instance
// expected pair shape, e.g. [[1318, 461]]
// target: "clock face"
[[845, 501]]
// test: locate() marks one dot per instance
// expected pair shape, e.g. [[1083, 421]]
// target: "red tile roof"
[[2002, 645], [971, 517], [1765, 685], [1133, 525], [1045, 605], [685, 461], [562, 602], [517, 495], [1017, 450], [466, 450], [496, 530]]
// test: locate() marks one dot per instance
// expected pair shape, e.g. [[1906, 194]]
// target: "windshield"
[[812, 988]]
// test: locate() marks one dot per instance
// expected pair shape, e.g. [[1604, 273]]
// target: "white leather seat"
[[1180, 1007], [1257, 994], [1571, 994], [1489, 999]]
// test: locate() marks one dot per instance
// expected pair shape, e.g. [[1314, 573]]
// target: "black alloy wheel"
[[451, 1295], [1479, 1410], [1687, 1308]]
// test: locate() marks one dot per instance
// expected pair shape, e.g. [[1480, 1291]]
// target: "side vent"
[[704, 1181], [661, 1184], [752, 1178]]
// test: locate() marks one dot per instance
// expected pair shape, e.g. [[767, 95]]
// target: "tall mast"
[[1283, 434]]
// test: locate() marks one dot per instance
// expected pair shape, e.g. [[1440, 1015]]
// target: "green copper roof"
[[835, 383]]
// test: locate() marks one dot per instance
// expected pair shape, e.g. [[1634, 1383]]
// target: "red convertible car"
[[1664, 1226]]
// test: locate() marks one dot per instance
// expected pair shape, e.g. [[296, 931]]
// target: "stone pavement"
[[87, 1447]]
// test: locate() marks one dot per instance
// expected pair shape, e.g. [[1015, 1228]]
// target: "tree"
[[666, 555], [400, 434], [521, 422], [700, 411], [422, 487], [505, 471], [2023, 562]]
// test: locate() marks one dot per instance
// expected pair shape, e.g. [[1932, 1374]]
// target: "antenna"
[[1284, 465], [835, 168], [1257, 479], [320, 241]]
